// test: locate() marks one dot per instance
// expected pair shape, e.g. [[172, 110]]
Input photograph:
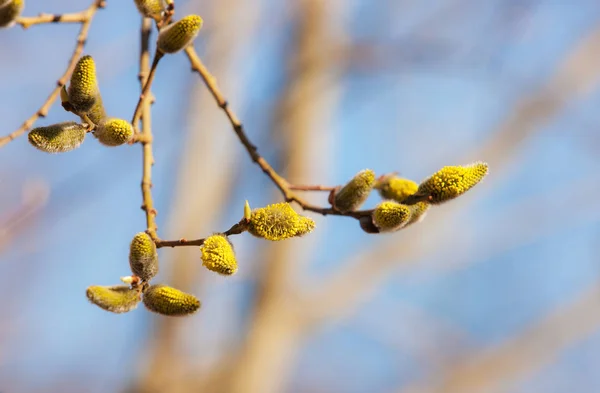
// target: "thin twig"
[[87, 16], [145, 94], [28, 21], [236, 229], [317, 187], [144, 111], [238, 128]]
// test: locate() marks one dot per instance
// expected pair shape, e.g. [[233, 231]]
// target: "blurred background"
[[496, 292]]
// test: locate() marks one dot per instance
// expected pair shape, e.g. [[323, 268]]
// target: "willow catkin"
[[57, 138], [180, 34]]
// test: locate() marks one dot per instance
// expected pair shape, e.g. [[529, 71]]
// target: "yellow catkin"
[[114, 132], [278, 222], [97, 113], [218, 255], [395, 188], [83, 89], [10, 11], [178, 35], [451, 182], [117, 299], [143, 257], [390, 216], [170, 301], [355, 192], [418, 211], [150, 8], [57, 138]]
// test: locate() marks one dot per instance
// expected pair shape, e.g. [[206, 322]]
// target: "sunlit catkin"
[[178, 35], [449, 183], [10, 11], [390, 216], [170, 301], [83, 88], [117, 299], [57, 138], [218, 255], [143, 258], [278, 222], [150, 8], [355, 192], [395, 188], [114, 132]]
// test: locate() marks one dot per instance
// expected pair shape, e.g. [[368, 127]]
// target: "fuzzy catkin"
[[218, 255], [117, 299], [57, 138], [114, 132], [143, 257], [278, 221], [83, 88], [390, 216], [355, 192], [169, 301], [180, 34], [450, 182]]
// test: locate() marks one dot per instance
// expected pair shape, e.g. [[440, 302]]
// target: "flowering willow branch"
[[86, 20], [279, 181]]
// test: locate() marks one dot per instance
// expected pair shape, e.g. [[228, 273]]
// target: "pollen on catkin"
[[178, 35], [114, 132], [355, 192], [418, 211], [83, 89], [390, 216], [278, 222], [10, 11], [57, 138], [450, 182], [395, 188], [150, 8], [170, 301], [143, 257], [117, 299], [218, 255]]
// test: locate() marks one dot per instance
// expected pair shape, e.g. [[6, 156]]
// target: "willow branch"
[[145, 94], [143, 110], [88, 16], [280, 182], [316, 187], [236, 229], [28, 21]]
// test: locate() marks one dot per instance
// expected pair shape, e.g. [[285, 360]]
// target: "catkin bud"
[[449, 183], [178, 35], [117, 299], [114, 132], [366, 223], [355, 192], [143, 257], [97, 114], [390, 216], [58, 138], [278, 222], [218, 255], [418, 211], [150, 8], [395, 188], [83, 88], [170, 301], [9, 11]]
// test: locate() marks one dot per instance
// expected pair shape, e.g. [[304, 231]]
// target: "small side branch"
[[236, 229], [86, 21], [279, 181]]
